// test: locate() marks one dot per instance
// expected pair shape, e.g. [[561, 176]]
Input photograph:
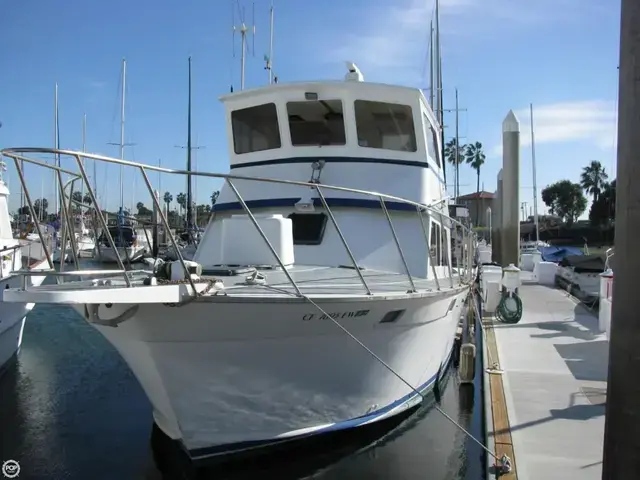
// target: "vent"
[[392, 316]]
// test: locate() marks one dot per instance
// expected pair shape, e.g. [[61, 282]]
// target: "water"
[[71, 409]]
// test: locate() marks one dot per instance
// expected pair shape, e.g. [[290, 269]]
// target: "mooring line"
[[504, 462]]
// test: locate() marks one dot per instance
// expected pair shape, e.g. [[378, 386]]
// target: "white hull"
[[229, 372], [107, 255], [12, 317], [86, 246]]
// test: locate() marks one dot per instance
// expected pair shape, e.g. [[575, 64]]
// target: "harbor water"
[[71, 409]]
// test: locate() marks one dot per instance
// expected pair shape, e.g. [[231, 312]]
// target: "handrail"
[[13, 153], [75, 273], [464, 245], [10, 249]]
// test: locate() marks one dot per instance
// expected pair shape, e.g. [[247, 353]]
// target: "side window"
[[255, 129], [388, 126], [314, 123], [435, 244], [430, 136], [308, 228]]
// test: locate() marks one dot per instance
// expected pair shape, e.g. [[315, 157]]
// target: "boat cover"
[[556, 254], [584, 263]]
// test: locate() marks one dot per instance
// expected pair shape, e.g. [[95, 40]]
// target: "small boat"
[[128, 248]]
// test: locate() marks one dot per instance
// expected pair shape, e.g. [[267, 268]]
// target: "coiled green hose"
[[510, 308]]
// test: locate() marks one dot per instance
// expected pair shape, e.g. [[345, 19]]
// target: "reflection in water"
[[70, 408]]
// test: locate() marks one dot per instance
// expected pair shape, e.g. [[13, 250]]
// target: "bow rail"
[[460, 234]]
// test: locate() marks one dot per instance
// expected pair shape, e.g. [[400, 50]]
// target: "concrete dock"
[[545, 382]]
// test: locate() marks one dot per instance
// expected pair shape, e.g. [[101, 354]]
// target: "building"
[[477, 203]]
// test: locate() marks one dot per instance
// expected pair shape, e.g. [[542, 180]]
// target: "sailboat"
[[128, 247], [84, 239], [192, 234]]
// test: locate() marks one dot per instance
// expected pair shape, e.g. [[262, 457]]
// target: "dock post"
[[510, 202], [496, 247], [622, 428]]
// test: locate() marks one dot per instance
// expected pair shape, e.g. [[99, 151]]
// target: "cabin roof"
[[340, 84]]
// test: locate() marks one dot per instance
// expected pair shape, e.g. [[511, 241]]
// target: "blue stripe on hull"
[[380, 414], [332, 202]]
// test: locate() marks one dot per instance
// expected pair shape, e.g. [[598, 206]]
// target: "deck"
[[313, 281], [548, 405]]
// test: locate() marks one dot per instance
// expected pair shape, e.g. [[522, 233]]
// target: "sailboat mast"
[[84, 145], [189, 212], [122, 118], [56, 142], [535, 180], [440, 108], [431, 67], [270, 60]]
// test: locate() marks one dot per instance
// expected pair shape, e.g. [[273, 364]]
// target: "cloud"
[[589, 121], [393, 40], [390, 42]]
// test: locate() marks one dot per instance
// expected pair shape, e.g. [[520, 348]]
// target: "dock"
[[545, 388]]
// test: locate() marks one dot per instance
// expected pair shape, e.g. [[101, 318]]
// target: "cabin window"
[[388, 126], [255, 129], [430, 135], [308, 228], [435, 244], [316, 123]]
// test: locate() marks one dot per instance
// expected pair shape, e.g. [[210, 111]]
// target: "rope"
[[191, 298], [506, 314], [502, 464]]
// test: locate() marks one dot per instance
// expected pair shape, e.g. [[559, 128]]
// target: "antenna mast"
[[269, 57], [535, 180], [243, 29]]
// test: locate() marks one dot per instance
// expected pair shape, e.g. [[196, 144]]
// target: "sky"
[[559, 55]]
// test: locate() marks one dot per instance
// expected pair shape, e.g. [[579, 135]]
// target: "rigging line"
[[393, 371]]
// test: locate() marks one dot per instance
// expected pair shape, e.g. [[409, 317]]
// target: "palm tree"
[[182, 202], [593, 179], [455, 156], [214, 197], [168, 198], [476, 157]]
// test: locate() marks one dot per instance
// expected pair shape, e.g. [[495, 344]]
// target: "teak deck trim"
[[500, 432]]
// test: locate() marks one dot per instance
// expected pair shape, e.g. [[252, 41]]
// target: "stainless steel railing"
[[460, 236]]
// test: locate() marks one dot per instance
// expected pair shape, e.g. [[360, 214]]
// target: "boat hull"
[[229, 375], [12, 318]]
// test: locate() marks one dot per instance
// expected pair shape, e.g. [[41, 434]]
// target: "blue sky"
[[560, 55]]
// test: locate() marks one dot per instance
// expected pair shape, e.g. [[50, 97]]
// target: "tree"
[[214, 197], [476, 157], [182, 201], [593, 179], [454, 158], [565, 199], [603, 210], [40, 206], [87, 199], [142, 210], [202, 211], [168, 198]]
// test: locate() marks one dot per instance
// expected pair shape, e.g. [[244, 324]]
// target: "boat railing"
[[463, 236]]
